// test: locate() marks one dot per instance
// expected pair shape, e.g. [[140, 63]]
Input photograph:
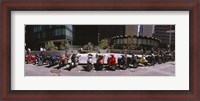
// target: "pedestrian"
[[28, 51], [41, 49]]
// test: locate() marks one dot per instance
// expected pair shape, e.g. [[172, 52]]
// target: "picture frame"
[[99, 5]]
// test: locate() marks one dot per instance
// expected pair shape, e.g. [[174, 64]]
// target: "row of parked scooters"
[[113, 63], [61, 60]]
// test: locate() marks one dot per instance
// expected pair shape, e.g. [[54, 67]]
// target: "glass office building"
[[37, 35]]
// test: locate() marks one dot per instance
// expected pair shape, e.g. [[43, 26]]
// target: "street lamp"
[[170, 31]]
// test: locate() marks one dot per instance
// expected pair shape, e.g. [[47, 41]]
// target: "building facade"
[[84, 34], [134, 42], [94, 33], [146, 30], [37, 35], [131, 30], [166, 33]]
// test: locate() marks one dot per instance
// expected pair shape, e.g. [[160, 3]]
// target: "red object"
[[31, 58], [111, 60], [101, 61]]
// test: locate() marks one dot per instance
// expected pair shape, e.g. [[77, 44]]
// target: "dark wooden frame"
[[99, 5]]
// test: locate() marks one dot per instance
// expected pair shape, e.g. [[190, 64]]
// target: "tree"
[[64, 45], [131, 44], [88, 46], [103, 43], [50, 46], [96, 48]]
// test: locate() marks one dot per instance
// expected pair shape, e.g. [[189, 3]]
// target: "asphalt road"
[[165, 69]]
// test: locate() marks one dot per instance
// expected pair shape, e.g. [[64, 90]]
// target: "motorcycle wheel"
[[153, 63], [100, 67], [50, 63], [40, 63], [47, 62], [145, 64], [159, 61], [135, 65], [70, 67], [173, 59], [89, 68], [27, 62], [124, 67], [113, 67], [60, 64]]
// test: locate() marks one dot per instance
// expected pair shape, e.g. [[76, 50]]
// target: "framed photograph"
[[142, 50]]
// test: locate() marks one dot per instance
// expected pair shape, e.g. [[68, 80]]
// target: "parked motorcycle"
[[99, 63], [170, 57], [112, 63], [158, 59], [151, 59], [74, 62], [30, 58], [164, 58], [53, 60], [90, 64], [132, 61], [63, 60], [143, 60], [42, 59], [122, 63]]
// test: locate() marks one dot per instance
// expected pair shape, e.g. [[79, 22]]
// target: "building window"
[[56, 32], [43, 35], [38, 35]]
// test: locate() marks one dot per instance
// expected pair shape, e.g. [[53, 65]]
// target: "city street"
[[165, 69]]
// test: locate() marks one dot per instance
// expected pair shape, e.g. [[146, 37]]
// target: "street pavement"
[[165, 69]]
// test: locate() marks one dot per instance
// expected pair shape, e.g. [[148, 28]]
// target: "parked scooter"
[[100, 62], [90, 64], [151, 59], [143, 60], [63, 60], [170, 57], [74, 62], [132, 61], [112, 62], [42, 59], [158, 59], [122, 62], [30, 58], [53, 60]]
